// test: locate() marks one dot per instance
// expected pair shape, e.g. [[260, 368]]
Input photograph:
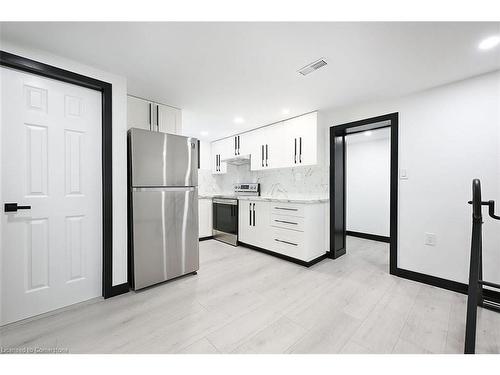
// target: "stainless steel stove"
[[225, 212]]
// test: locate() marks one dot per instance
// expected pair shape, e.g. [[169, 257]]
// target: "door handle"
[[253, 214], [13, 207]]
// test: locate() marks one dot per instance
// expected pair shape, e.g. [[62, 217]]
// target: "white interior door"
[[51, 161]]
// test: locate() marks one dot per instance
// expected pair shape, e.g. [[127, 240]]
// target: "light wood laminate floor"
[[243, 301]]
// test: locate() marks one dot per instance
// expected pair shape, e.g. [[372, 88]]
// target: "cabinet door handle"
[[149, 117], [266, 155], [295, 154], [238, 145], [288, 243], [235, 146], [262, 155], [253, 214], [300, 150], [286, 222], [286, 209], [250, 212], [157, 117]]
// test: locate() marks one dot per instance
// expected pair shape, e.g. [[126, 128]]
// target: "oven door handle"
[[232, 202]]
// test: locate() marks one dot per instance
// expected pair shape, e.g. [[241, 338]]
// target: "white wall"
[[447, 136], [119, 112], [368, 177]]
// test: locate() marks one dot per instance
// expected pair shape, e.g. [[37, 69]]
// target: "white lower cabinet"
[[294, 230], [205, 217], [253, 222]]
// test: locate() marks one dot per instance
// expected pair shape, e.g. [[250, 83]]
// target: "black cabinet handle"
[[288, 243], [157, 117], [13, 207], [286, 209], [235, 145], [267, 154], [150, 116], [238, 145], [250, 212], [300, 150], [262, 155], [253, 214], [285, 222], [295, 151]]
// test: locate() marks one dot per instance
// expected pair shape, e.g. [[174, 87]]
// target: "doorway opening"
[[339, 136]]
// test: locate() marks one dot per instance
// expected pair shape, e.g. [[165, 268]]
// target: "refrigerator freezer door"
[[161, 159], [165, 234]]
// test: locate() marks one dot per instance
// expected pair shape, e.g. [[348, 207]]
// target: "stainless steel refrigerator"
[[163, 206]]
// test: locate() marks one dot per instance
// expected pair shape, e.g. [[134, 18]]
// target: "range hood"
[[237, 160]]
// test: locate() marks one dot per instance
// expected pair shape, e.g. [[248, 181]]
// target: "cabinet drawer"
[[288, 242], [287, 209], [287, 222]]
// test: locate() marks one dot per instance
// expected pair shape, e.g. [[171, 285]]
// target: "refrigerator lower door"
[[165, 234]]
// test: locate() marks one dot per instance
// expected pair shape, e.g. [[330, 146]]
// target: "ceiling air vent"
[[309, 68]]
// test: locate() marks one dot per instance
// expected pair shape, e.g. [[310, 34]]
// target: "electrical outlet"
[[430, 239]]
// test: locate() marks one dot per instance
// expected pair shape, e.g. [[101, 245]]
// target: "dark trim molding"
[[439, 282], [285, 257], [206, 238], [30, 66], [338, 183], [368, 236]]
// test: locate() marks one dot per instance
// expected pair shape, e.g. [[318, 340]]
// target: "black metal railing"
[[475, 296]]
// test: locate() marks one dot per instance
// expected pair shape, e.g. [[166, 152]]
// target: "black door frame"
[[26, 65], [338, 183]]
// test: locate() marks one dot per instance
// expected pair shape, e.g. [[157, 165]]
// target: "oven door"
[[225, 220]]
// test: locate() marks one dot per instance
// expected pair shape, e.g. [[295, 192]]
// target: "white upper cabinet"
[[139, 113], [169, 119], [285, 144], [301, 140], [145, 114], [218, 153]]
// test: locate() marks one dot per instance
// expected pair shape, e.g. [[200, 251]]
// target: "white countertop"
[[308, 200]]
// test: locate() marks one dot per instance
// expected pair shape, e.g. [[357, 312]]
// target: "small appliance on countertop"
[[225, 212]]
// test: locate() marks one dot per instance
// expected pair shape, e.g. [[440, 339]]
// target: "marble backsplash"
[[289, 183]]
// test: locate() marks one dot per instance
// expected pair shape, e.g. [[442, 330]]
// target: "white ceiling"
[[217, 71]]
